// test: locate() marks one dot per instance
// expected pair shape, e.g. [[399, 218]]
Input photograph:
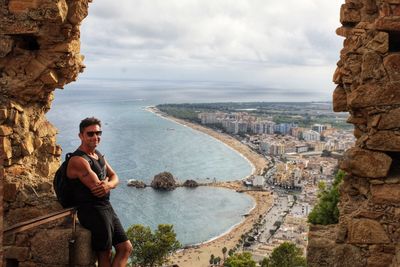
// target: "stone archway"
[[39, 51]]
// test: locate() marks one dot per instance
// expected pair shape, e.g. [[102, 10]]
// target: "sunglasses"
[[91, 134]]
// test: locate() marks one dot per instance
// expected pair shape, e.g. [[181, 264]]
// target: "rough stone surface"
[[39, 52], [374, 94], [323, 251], [386, 194], [390, 120], [48, 247], [18, 253], [364, 163], [137, 184], [320, 246], [339, 100], [368, 86], [392, 65], [367, 231], [380, 141], [190, 183], [1, 212]]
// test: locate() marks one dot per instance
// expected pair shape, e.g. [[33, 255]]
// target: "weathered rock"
[[78, 10], [388, 24], [6, 44], [366, 231], [22, 6], [190, 183], [390, 120], [348, 256], [3, 114], [5, 130], [18, 253], [371, 67], [349, 14], [380, 259], [380, 43], [364, 163], [392, 66], [137, 184], [48, 247], [39, 51], [5, 148], [10, 191], [341, 234], [380, 141], [368, 95], [339, 99], [386, 194], [320, 246], [27, 146], [164, 181]]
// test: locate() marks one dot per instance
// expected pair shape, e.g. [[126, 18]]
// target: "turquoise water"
[[138, 144]]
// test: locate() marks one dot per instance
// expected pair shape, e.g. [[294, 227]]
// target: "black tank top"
[[81, 194]]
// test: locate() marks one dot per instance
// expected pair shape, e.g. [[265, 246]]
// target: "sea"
[[139, 144]]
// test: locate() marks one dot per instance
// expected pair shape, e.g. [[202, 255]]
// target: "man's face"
[[91, 136]]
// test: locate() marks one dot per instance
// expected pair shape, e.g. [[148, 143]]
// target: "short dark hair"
[[88, 122]]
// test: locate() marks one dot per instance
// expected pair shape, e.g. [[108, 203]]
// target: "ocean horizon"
[[139, 144]]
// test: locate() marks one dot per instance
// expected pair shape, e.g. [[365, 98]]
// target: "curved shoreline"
[[199, 255], [244, 151]]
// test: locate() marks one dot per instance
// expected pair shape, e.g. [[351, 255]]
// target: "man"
[[92, 179]]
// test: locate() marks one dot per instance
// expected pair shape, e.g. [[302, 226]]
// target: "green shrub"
[[326, 211], [285, 255]]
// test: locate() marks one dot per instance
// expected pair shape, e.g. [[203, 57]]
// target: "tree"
[[217, 260], [286, 255], [152, 249], [264, 262], [224, 249], [240, 260], [231, 252], [326, 211], [211, 261]]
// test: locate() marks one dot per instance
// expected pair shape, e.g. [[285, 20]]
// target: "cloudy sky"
[[289, 45]]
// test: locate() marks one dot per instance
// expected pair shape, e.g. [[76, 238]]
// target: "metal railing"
[[29, 224]]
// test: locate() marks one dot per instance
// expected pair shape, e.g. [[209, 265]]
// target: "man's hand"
[[101, 189]]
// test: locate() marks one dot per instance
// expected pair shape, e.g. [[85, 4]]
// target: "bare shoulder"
[[76, 166], [77, 161]]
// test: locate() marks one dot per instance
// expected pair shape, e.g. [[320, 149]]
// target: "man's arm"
[[79, 168], [107, 184]]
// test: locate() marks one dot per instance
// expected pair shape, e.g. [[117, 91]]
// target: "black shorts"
[[104, 225]]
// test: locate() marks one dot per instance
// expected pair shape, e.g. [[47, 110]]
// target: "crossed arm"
[[79, 168]]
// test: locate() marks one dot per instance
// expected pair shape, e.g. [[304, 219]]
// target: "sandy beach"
[[199, 256]]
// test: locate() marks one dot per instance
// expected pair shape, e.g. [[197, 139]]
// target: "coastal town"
[[299, 158], [290, 164]]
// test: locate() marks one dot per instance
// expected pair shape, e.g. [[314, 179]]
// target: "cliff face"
[[368, 87], [39, 52]]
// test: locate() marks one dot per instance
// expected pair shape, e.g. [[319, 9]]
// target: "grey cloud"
[[237, 40]]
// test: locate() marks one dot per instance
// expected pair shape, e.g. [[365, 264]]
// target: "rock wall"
[[39, 52], [368, 87]]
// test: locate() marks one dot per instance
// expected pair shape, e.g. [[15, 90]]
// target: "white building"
[[311, 135], [259, 181], [319, 128], [208, 118]]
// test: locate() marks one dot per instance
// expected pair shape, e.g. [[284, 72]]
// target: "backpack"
[[61, 184]]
